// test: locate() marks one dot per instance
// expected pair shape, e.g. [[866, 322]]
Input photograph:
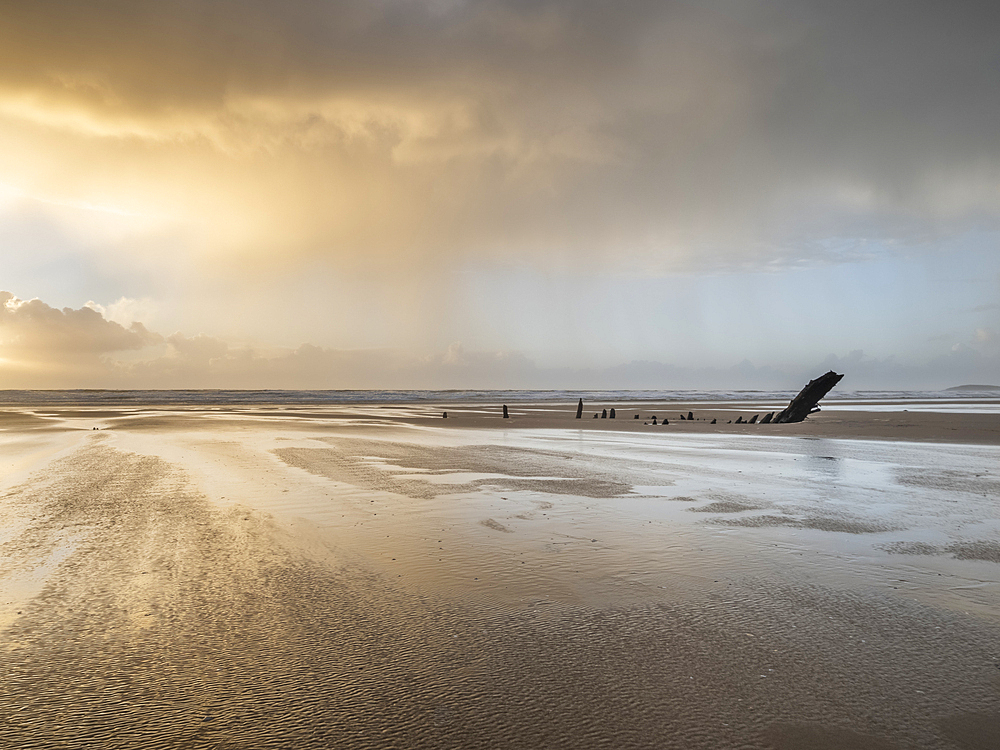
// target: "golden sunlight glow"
[[403, 175]]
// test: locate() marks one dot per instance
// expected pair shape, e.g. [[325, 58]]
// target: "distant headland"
[[974, 388]]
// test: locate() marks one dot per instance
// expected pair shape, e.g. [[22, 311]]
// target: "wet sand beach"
[[379, 577]]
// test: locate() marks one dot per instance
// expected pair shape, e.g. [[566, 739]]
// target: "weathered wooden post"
[[505, 414], [579, 409], [807, 401]]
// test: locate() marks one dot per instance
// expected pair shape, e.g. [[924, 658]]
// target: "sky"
[[499, 194]]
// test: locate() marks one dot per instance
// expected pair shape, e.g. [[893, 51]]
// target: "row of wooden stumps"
[[800, 407], [604, 412]]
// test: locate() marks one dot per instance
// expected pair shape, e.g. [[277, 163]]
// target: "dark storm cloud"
[[646, 134]]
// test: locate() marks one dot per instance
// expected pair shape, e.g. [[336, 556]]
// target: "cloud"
[[643, 134], [205, 362], [987, 338], [33, 327], [962, 364], [125, 310], [43, 347], [372, 175]]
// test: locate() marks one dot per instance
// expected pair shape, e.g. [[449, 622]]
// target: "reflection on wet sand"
[[225, 581]]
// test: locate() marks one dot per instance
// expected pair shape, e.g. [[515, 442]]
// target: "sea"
[[982, 397]]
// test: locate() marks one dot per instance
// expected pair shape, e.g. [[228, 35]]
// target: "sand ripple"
[[174, 625]]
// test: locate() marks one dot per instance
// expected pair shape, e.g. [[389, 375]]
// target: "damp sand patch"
[[496, 526], [727, 506], [979, 549], [348, 467], [819, 523], [950, 480], [911, 548]]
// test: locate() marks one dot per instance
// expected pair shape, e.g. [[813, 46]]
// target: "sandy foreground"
[[380, 577]]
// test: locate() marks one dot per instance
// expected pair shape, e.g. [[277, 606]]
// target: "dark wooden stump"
[[808, 399], [579, 409], [505, 414], [612, 413]]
